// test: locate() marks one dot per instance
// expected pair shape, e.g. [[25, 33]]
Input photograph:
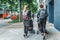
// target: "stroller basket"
[[27, 23]]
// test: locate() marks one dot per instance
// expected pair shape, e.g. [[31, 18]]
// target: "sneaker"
[[44, 38], [26, 36]]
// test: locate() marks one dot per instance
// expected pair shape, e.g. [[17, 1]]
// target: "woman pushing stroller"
[[28, 23]]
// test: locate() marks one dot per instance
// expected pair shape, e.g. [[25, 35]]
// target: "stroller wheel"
[[37, 32], [26, 36], [33, 31]]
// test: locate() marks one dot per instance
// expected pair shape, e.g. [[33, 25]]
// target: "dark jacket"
[[42, 14], [29, 14]]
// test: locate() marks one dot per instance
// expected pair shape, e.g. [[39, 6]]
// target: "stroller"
[[28, 27]]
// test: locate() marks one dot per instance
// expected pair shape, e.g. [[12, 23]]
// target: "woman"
[[27, 20], [42, 16]]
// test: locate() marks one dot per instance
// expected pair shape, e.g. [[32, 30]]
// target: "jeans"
[[42, 26]]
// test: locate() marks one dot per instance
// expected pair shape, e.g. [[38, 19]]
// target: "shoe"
[[26, 36], [44, 38]]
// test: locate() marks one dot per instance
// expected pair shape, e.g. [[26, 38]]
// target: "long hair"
[[25, 7]]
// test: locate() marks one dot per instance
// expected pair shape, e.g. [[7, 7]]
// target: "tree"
[[31, 3], [11, 4]]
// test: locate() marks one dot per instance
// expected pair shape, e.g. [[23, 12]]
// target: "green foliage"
[[31, 3], [12, 4]]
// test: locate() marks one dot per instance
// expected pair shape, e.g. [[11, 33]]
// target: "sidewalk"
[[15, 32], [4, 21]]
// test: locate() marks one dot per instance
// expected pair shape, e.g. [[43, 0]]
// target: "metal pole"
[[19, 9]]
